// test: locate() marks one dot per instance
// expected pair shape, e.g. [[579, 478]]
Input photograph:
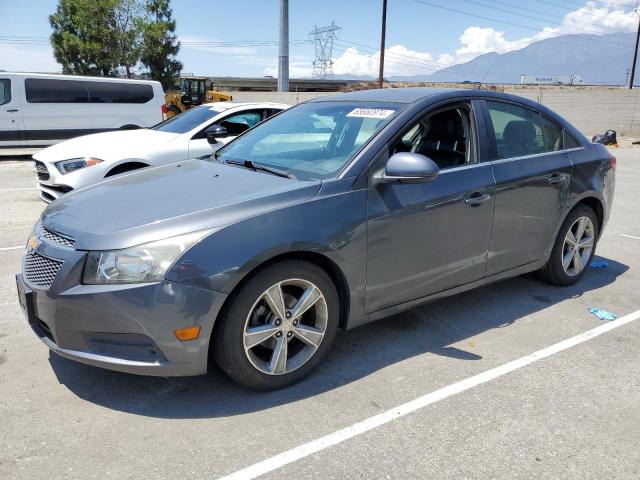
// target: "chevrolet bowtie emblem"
[[33, 243]]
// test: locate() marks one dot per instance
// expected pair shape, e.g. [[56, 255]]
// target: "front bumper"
[[128, 328]]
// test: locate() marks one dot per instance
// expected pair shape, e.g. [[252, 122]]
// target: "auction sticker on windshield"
[[370, 113]]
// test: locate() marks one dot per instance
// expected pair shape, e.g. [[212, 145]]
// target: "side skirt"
[[386, 312]]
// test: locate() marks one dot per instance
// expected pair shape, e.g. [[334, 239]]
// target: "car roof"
[[87, 78], [230, 105], [391, 95], [416, 94]]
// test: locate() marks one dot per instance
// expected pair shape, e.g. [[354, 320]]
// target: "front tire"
[[573, 249], [278, 327]]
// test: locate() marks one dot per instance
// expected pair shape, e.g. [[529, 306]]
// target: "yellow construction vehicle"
[[192, 92]]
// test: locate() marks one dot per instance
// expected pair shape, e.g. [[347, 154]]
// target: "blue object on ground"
[[599, 263], [602, 314]]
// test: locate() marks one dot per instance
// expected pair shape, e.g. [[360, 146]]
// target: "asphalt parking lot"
[[570, 413]]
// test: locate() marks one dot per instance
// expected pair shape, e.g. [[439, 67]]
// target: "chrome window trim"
[[513, 159]]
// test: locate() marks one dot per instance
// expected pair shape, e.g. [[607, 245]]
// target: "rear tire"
[[256, 329], [567, 264]]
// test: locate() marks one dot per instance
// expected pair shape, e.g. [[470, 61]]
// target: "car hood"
[[170, 200], [108, 145]]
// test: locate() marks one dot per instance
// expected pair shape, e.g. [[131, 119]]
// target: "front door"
[[532, 173], [429, 237], [10, 114]]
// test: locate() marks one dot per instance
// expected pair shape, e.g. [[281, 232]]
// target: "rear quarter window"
[[120, 92]]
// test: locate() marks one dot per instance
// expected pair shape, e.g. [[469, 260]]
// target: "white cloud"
[[28, 58]]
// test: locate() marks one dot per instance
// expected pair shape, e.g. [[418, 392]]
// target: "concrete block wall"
[[591, 109]]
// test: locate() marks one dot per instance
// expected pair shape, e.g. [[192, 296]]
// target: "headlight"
[[72, 164], [140, 264]]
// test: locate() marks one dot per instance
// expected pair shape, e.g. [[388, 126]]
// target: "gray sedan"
[[330, 215]]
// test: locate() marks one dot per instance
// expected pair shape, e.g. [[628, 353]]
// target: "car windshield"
[[312, 141], [188, 120]]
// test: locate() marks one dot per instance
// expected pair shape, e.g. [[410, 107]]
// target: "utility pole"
[[635, 54], [382, 40], [283, 58]]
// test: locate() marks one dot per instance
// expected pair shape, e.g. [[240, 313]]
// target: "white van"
[[39, 109]]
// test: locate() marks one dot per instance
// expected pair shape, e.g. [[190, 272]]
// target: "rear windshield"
[[45, 90], [188, 120]]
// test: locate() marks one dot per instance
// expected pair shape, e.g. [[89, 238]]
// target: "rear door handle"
[[558, 178], [477, 199], [12, 110]]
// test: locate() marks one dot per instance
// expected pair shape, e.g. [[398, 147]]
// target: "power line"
[[511, 12]]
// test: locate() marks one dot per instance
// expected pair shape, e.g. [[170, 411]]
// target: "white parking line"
[[17, 188], [11, 248], [371, 423], [629, 236]]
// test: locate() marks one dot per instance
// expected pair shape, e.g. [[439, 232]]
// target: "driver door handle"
[[477, 199], [12, 110], [558, 178]]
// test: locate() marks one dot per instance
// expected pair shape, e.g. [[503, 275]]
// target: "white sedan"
[[198, 132]]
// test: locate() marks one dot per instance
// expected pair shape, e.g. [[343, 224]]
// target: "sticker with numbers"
[[369, 113]]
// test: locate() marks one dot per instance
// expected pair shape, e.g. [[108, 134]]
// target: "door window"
[[520, 131], [236, 124], [42, 90], [444, 136], [5, 91]]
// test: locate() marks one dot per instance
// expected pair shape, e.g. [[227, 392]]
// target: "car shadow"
[[430, 328]]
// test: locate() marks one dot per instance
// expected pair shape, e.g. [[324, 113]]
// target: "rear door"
[[532, 173], [235, 123], [10, 113]]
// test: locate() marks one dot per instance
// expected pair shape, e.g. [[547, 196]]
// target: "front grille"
[[39, 270], [49, 236], [41, 170]]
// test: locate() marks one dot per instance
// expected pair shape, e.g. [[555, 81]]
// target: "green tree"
[[160, 45], [82, 35], [125, 34]]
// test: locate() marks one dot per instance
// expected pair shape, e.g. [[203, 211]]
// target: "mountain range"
[[598, 59]]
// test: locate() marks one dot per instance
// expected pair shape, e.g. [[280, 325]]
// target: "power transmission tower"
[[323, 38]]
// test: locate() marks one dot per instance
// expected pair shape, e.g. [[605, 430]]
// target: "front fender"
[[332, 225]]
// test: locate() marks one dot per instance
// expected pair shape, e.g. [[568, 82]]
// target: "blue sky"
[[422, 35]]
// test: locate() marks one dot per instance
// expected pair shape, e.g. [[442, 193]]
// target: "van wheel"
[[574, 248], [278, 326]]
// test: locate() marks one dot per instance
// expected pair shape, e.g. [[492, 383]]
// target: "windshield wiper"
[[261, 168]]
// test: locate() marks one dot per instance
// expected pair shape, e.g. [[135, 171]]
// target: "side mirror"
[[407, 167], [214, 132]]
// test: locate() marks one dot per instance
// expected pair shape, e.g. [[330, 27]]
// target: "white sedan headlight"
[[72, 164], [140, 264]]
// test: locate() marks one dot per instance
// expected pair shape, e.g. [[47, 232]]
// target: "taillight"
[[164, 111], [613, 161]]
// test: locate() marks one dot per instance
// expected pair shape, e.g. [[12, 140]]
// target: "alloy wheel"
[[285, 326], [578, 244]]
